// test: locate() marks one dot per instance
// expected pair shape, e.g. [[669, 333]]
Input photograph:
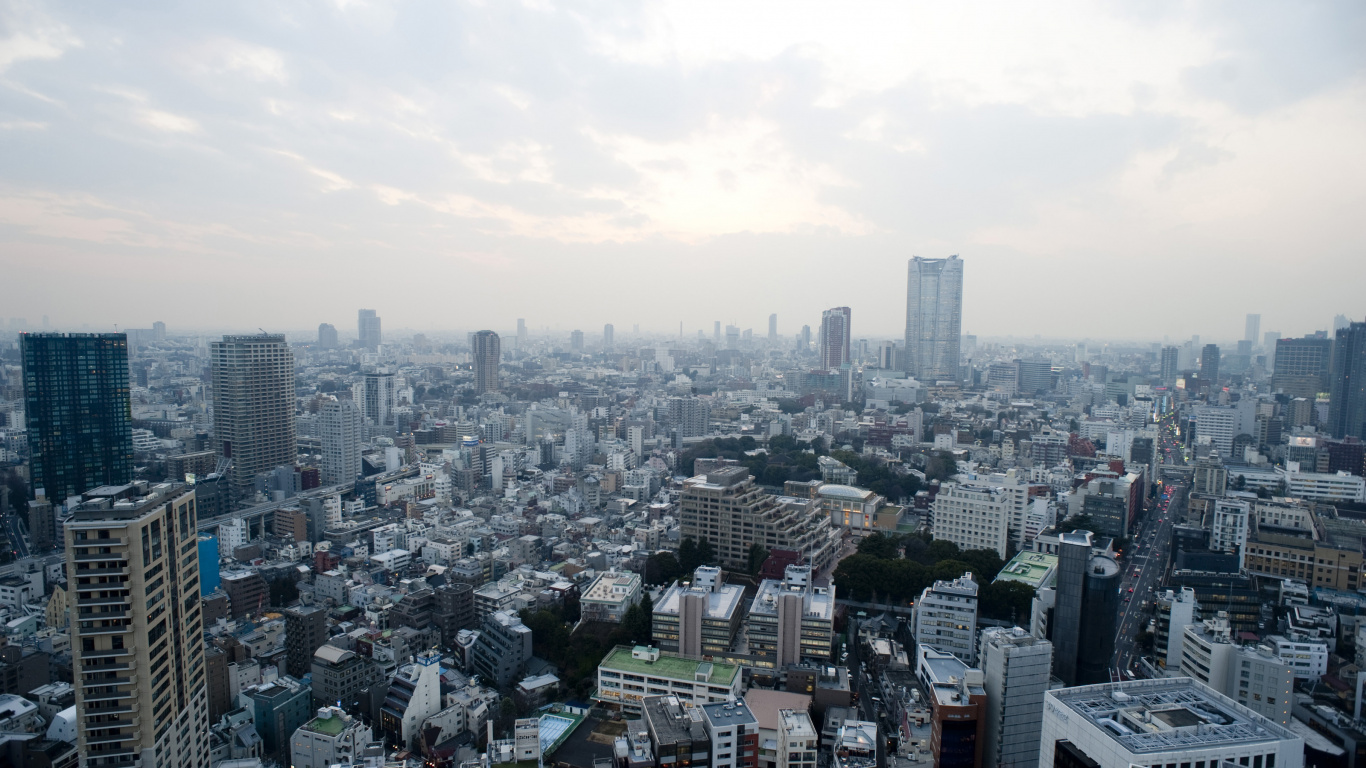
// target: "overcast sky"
[[1105, 170]]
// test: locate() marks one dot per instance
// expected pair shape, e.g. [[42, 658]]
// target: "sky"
[[1104, 170]]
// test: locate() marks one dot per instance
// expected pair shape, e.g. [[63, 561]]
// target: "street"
[[15, 531]]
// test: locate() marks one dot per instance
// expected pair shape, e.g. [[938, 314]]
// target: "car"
[[1131, 589]]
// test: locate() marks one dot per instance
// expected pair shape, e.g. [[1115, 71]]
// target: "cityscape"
[[728, 387]]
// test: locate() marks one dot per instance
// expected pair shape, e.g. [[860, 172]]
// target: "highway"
[[15, 531], [1145, 564]]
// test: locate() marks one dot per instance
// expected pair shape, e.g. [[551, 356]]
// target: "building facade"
[[934, 314], [487, 350], [253, 406], [946, 618]]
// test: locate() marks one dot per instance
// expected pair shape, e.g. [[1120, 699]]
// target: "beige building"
[[253, 406], [725, 507], [136, 634]]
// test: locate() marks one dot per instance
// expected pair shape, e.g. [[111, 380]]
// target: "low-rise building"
[[627, 675], [609, 596], [331, 738], [502, 649], [734, 734], [957, 708]]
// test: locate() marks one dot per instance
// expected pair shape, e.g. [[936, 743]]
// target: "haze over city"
[[461, 165]]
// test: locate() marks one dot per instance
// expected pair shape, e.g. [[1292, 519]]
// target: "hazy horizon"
[[1104, 171]]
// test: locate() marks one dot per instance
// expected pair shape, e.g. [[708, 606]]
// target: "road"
[[1146, 563], [864, 690], [15, 532]]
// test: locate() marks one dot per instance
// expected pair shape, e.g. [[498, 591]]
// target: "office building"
[[414, 695], [332, 738], [502, 649], [305, 632], [253, 406], [1218, 423], [700, 618], [934, 314], [376, 394], [368, 330], [136, 632], [42, 525], [1229, 530], [773, 329], [327, 336], [609, 596], [1303, 366], [1085, 605], [946, 618], [835, 338], [1252, 328], [973, 516], [279, 709], [576, 341], [678, 731], [1209, 364], [77, 411], [728, 509], [340, 675], [1169, 367], [339, 421], [1254, 675], [486, 349], [958, 703], [1347, 402], [608, 337], [792, 621], [1176, 610], [627, 675], [1016, 667], [1162, 721]]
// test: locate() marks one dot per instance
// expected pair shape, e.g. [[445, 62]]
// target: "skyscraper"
[[340, 423], [934, 315], [521, 333], [1086, 602], [834, 337], [576, 340], [1169, 367], [487, 351], [608, 332], [1252, 330], [77, 410], [327, 336], [376, 394], [253, 405], [368, 330], [1302, 366], [137, 638], [716, 333], [1347, 403], [806, 337], [772, 329], [1209, 363]]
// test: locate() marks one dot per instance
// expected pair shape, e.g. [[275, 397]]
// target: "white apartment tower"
[[1016, 667], [934, 315], [253, 405], [340, 424], [377, 396], [1229, 531], [946, 618], [136, 634]]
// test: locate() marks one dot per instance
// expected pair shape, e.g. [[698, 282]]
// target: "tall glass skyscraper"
[[934, 318], [1347, 403], [76, 402]]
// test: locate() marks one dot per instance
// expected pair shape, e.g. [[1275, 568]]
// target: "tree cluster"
[[578, 653], [878, 478], [785, 460]]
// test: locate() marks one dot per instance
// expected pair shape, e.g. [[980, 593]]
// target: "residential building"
[[700, 618], [1160, 721], [376, 395], [855, 744], [279, 709], [734, 733], [727, 508], [972, 516], [137, 636], [798, 740], [609, 596], [339, 675], [677, 730], [1016, 667], [331, 738], [627, 675], [1229, 530], [1347, 402], [414, 695], [305, 632], [946, 618], [934, 310], [77, 412], [1176, 610], [834, 339], [1169, 366], [253, 406], [691, 416], [1308, 658], [958, 713], [1219, 424], [368, 332], [502, 649], [792, 621], [486, 349]]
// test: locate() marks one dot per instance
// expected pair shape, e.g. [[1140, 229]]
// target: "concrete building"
[[279, 708], [798, 741], [834, 340], [486, 349], [973, 517], [376, 395], [792, 621], [1176, 610], [934, 311], [305, 632], [340, 424], [627, 675], [132, 561], [700, 618], [368, 330], [1016, 668], [253, 406], [340, 675], [1308, 658], [734, 733], [957, 708], [1347, 403], [677, 731], [1229, 530], [946, 618], [1251, 674], [502, 649], [609, 596], [331, 738], [1219, 424], [414, 695], [1156, 722]]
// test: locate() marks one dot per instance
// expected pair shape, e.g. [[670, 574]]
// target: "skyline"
[[269, 165]]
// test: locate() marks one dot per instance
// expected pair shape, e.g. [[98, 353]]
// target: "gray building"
[[368, 330], [253, 406], [341, 675], [1016, 667], [340, 424], [487, 350], [503, 648], [1086, 604], [1347, 405], [934, 313], [305, 632]]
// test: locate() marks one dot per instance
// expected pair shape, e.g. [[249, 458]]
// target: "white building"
[[946, 618], [394, 560], [973, 517], [628, 675], [1016, 667], [331, 738], [1175, 612], [798, 741], [1321, 486], [1308, 658], [1015, 484], [1229, 532], [339, 421], [1157, 722], [609, 596], [1218, 423]]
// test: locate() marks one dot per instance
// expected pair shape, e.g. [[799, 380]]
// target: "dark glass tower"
[[1347, 404], [80, 428]]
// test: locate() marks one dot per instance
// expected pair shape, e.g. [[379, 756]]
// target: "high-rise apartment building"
[[253, 405], [521, 334], [834, 338], [1347, 402], [305, 632], [1169, 367], [772, 328], [792, 621], [487, 350], [137, 637], [576, 341], [806, 338], [691, 416], [376, 394], [339, 422], [1209, 363], [368, 330], [1016, 667], [608, 336], [327, 336], [78, 412], [934, 316], [1302, 366], [946, 618], [1252, 328], [973, 516]]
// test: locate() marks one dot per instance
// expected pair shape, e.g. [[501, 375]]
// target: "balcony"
[[106, 653], [106, 681], [95, 558], [91, 738], [121, 571], [112, 613], [109, 696], [103, 601], [114, 630]]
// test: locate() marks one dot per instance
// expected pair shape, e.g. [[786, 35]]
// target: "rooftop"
[[721, 603], [1167, 714], [729, 713], [1032, 568], [834, 490], [612, 587], [672, 667], [817, 603]]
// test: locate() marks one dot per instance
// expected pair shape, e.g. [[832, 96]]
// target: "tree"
[[1005, 601], [757, 556], [1082, 522], [880, 545], [941, 466], [17, 490], [662, 568], [687, 555], [706, 554]]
